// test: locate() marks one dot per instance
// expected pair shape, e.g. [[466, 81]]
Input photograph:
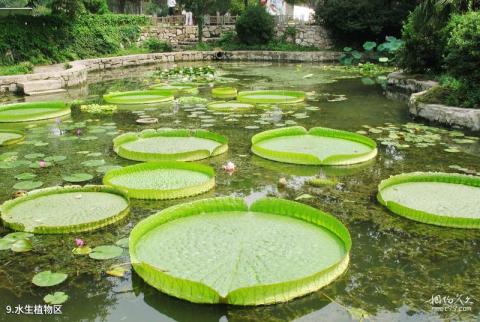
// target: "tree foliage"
[[255, 26], [360, 20]]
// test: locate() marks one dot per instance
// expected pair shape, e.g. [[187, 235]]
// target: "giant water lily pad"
[[162, 179], [318, 146], [65, 209], [24, 112], [139, 97], [224, 92], [178, 88], [443, 199], [170, 144], [271, 97], [8, 137], [231, 106], [223, 251]]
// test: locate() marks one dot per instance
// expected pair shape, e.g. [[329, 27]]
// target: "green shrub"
[[22, 68], [255, 26], [462, 51], [96, 6], [355, 21], [50, 39], [155, 45]]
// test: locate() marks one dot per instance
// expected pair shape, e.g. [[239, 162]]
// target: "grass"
[[19, 69]]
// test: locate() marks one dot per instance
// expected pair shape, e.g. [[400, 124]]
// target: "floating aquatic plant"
[[9, 137], [224, 92], [56, 298], [166, 255], [98, 109], [139, 97], [318, 146], [443, 199], [65, 209], [162, 179], [170, 144], [24, 112], [271, 97], [106, 252], [47, 278]]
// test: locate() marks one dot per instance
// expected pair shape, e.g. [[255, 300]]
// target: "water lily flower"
[[79, 242], [229, 167], [42, 164], [79, 132]]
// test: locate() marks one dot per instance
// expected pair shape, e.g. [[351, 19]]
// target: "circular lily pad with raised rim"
[[170, 144], [8, 137], [162, 180], [231, 106], [271, 97], [180, 88], [443, 199], [224, 92], [223, 251], [24, 112], [318, 146], [139, 97], [68, 209]]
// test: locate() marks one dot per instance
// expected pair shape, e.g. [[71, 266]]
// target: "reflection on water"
[[396, 266]]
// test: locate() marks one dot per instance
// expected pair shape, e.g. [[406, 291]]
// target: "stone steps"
[[40, 86]]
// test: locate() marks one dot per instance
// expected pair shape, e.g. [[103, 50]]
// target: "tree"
[[200, 8]]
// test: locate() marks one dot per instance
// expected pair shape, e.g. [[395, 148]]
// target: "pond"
[[397, 266]]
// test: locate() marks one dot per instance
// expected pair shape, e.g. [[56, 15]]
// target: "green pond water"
[[397, 265]]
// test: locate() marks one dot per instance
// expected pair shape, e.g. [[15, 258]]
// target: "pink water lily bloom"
[[42, 164], [229, 167], [79, 242]]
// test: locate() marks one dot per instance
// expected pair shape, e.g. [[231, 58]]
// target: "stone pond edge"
[[443, 114], [79, 70]]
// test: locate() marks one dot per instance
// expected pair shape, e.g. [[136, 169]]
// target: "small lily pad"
[[106, 252], [25, 176], [117, 271], [27, 185], [32, 156], [17, 236], [5, 244], [93, 163], [122, 242], [47, 278], [78, 177], [56, 298], [56, 158], [85, 250], [106, 168], [304, 196], [21, 246]]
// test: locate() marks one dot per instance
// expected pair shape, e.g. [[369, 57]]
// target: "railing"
[[217, 20], [209, 20]]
